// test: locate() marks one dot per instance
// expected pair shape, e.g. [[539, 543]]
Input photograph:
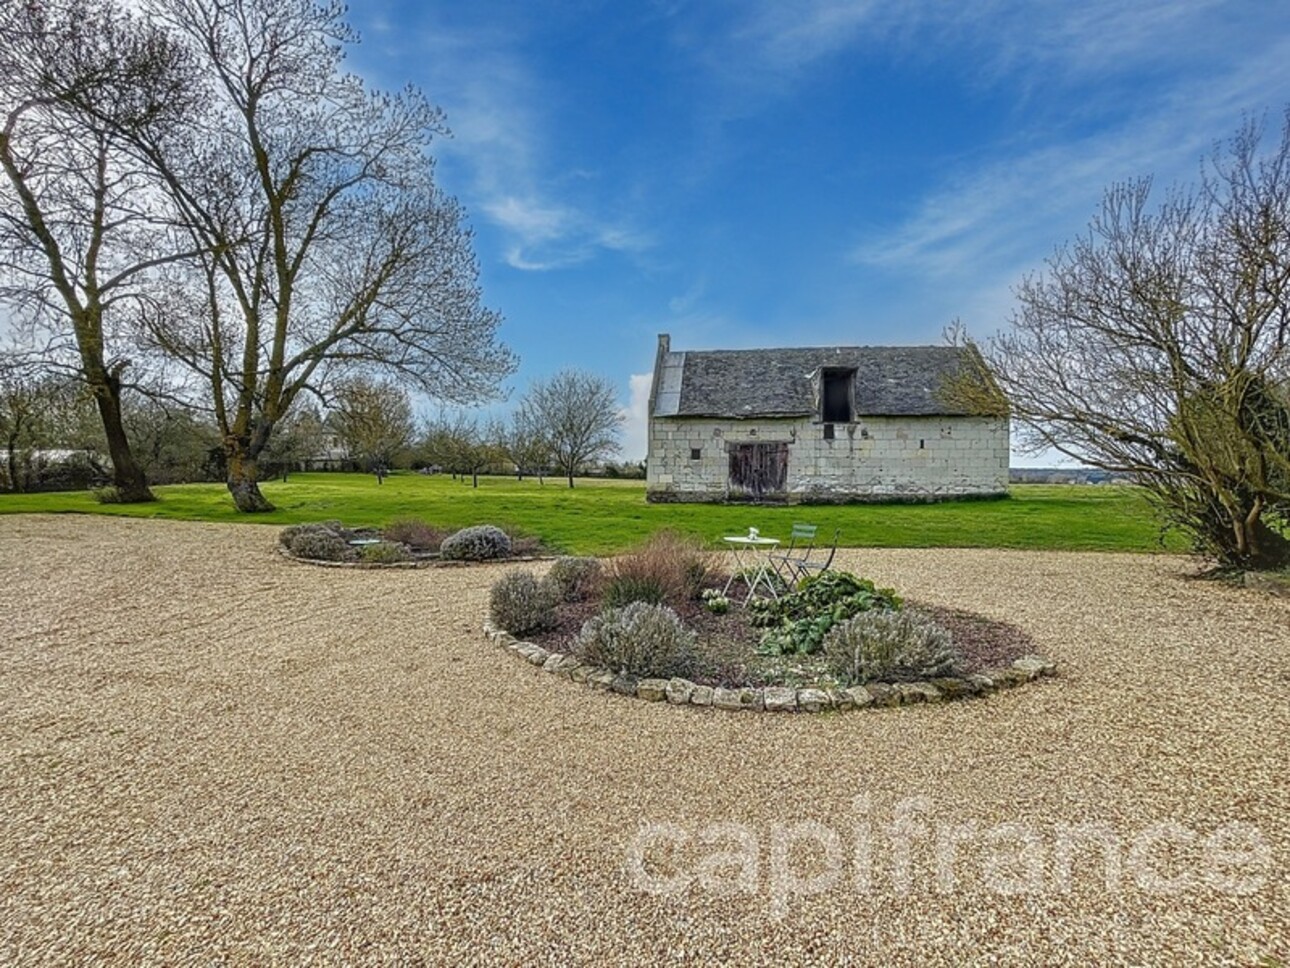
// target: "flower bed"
[[835, 640], [406, 543]]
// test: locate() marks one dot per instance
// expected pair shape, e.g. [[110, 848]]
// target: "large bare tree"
[[1158, 345], [326, 244], [78, 220], [577, 415]]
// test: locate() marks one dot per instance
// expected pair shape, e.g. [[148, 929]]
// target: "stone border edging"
[[683, 692], [425, 563]]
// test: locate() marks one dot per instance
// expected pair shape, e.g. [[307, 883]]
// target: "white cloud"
[[636, 417]]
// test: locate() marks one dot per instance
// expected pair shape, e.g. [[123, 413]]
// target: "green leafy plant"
[[107, 495], [798, 621], [521, 603], [639, 640], [715, 602], [890, 645]]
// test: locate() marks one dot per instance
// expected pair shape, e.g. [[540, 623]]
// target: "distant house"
[[819, 424]]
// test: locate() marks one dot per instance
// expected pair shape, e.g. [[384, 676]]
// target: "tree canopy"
[[1158, 345]]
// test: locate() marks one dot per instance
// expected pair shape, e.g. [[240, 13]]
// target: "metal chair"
[[790, 561], [807, 566]]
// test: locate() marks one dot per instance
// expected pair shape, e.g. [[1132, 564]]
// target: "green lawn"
[[599, 517]]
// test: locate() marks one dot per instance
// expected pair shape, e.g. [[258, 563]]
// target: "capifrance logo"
[[906, 851]]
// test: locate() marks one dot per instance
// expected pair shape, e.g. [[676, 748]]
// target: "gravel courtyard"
[[211, 754]]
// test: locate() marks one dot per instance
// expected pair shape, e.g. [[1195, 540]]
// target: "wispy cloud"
[[502, 139], [997, 36], [988, 222]]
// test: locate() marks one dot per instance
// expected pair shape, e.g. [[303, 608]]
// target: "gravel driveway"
[[210, 754]]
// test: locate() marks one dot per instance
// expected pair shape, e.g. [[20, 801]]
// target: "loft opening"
[[837, 396]]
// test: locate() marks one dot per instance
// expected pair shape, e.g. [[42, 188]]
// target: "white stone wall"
[[876, 458]]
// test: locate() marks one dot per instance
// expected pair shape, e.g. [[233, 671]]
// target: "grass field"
[[600, 517]]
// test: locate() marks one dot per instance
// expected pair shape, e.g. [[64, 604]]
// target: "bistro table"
[[752, 555]]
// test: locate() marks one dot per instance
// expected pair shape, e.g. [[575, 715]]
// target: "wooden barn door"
[[758, 471]]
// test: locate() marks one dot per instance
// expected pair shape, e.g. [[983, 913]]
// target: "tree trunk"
[[12, 460], [571, 478], [244, 480], [127, 476]]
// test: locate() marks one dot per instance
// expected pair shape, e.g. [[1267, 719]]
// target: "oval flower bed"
[[406, 543], [653, 623]]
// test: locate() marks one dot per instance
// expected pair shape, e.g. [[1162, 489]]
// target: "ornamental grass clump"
[[575, 579], [640, 640], [668, 568], [481, 543], [416, 534], [889, 645], [521, 604]]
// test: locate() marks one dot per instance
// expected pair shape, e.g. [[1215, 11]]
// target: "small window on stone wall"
[[828, 431], [696, 453]]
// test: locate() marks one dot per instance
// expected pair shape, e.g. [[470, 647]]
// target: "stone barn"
[[818, 425]]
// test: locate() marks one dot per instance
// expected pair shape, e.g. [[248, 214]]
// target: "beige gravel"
[[209, 754]]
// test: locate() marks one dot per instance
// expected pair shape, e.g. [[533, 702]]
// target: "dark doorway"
[[758, 471]]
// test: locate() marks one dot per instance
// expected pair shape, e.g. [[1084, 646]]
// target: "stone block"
[[860, 696], [679, 691], [812, 700], [779, 699], [652, 690]]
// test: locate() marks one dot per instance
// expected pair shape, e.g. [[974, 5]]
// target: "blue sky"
[[794, 172]]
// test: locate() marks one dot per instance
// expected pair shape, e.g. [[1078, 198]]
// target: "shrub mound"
[[575, 579], [321, 546], [287, 535], [520, 603], [385, 553], [640, 640], [891, 646], [481, 543]]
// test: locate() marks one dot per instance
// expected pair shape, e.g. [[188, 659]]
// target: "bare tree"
[[524, 442], [373, 421], [462, 445], [327, 247], [77, 227], [1158, 345], [578, 416]]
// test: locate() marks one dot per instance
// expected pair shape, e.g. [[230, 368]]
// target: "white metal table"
[[752, 554]]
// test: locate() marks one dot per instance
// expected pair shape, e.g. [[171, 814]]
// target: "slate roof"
[[890, 381]]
